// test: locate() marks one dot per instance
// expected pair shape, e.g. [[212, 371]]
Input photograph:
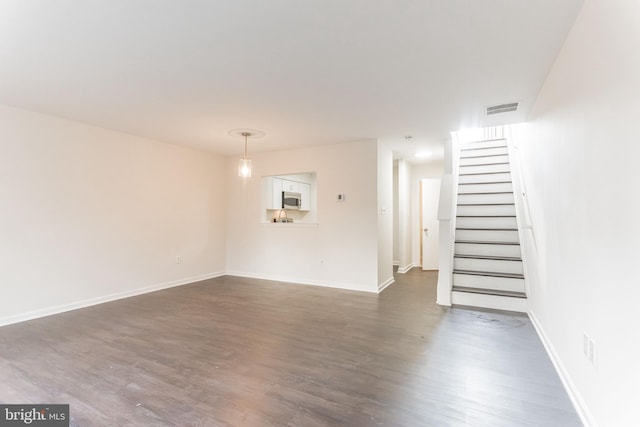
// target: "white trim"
[[579, 404], [406, 268], [35, 314], [290, 224], [382, 286], [295, 281], [396, 263]]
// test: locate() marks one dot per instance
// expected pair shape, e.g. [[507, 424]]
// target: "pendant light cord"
[[246, 135]]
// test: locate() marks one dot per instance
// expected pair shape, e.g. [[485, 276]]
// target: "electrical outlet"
[[178, 260]]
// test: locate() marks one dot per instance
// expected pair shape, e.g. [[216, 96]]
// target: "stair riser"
[[485, 188], [484, 168], [485, 144], [488, 265], [487, 210], [477, 179], [489, 151], [489, 301], [486, 282], [485, 198], [486, 223], [487, 250], [483, 160], [488, 235]]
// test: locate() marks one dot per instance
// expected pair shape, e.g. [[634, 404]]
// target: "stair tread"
[[495, 292], [488, 182], [491, 257], [488, 229], [488, 192], [486, 242], [485, 216], [483, 157], [486, 204], [485, 164], [482, 173], [490, 274], [485, 140], [483, 148]]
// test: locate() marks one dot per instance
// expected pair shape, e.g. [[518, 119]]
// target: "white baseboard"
[[579, 404], [406, 268], [297, 281], [396, 263], [383, 285], [35, 314]]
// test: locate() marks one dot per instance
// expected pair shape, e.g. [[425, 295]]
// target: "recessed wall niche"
[[289, 198]]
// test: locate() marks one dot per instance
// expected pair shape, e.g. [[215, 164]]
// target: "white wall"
[[433, 169], [341, 250], [396, 222], [88, 214], [385, 215], [404, 212], [579, 157]]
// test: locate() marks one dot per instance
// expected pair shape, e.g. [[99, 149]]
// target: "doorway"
[[429, 228]]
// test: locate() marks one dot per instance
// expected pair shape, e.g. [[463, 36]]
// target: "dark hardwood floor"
[[233, 351]]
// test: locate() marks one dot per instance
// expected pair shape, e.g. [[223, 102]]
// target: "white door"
[[429, 197]]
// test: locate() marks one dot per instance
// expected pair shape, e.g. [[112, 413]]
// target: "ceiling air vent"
[[502, 108]]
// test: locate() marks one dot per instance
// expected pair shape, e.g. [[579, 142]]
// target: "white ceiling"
[[305, 72]]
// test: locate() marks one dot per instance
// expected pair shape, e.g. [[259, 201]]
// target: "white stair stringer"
[[488, 269]]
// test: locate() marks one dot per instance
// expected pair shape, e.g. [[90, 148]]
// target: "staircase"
[[487, 262]]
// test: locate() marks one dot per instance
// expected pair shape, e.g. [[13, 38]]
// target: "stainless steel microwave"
[[291, 200]]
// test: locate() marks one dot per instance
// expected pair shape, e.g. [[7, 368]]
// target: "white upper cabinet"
[[272, 192], [305, 196], [291, 186], [274, 186]]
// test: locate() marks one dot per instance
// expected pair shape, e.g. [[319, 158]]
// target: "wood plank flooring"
[[243, 352]]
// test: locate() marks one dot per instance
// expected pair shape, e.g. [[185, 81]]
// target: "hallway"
[[236, 351]]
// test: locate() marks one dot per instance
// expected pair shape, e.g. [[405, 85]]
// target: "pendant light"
[[244, 167]]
